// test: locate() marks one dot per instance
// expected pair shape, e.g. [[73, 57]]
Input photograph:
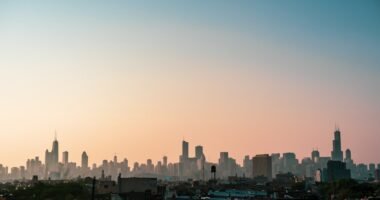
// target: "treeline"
[[45, 191], [349, 189]]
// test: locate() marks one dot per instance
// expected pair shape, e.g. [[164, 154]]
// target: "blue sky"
[[265, 69]]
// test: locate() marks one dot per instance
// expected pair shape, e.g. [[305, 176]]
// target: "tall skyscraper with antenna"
[[185, 151], [51, 157], [54, 151], [337, 153]]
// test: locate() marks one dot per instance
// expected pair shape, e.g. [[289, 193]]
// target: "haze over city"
[[136, 78]]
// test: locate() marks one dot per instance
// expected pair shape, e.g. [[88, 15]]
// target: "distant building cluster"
[[262, 168]]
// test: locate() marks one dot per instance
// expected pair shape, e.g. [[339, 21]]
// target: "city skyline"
[[316, 166], [134, 78], [197, 151]]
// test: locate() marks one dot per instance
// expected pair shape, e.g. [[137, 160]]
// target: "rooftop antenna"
[[337, 128], [55, 135]]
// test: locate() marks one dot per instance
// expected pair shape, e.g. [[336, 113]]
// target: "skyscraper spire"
[[55, 135], [336, 127]]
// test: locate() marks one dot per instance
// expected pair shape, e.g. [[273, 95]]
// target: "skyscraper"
[[115, 159], [290, 162], [47, 159], [165, 161], [198, 152], [224, 165], [337, 153], [336, 170], [262, 166], [84, 160], [348, 155], [51, 158], [349, 162], [54, 151], [65, 157], [315, 156], [185, 150], [223, 159], [247, 166]]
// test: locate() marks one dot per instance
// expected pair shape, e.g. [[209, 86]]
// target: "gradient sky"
[[133, 78]]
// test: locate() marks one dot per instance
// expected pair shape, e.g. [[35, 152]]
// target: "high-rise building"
[[290, 162], [247, 166], [349, 162], [65, 157], [223, 159], [47, 159], [149, 165], [336, 170], [84, 160], [276, 164], [362, 171], [165, 161], [185, 150], [198, 152], [348, 154], [315, 156], [51, 158], [337, 153], [262, 166], [54, 152], [115, 159], [224, 165]]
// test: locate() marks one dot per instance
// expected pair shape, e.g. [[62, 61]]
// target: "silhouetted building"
[[65, 157], [223, 159], [290, 162], [115, 159], [165, 161], [277, 164], [223, 164], [262, 166], [315, 156], [336, 170], [198, 152], [247, 166], [287, 179], [362, 171], [185, 151], [137, 185], [337, 153], [84, 160], [348, 154], [55, 152], [51, 159]]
